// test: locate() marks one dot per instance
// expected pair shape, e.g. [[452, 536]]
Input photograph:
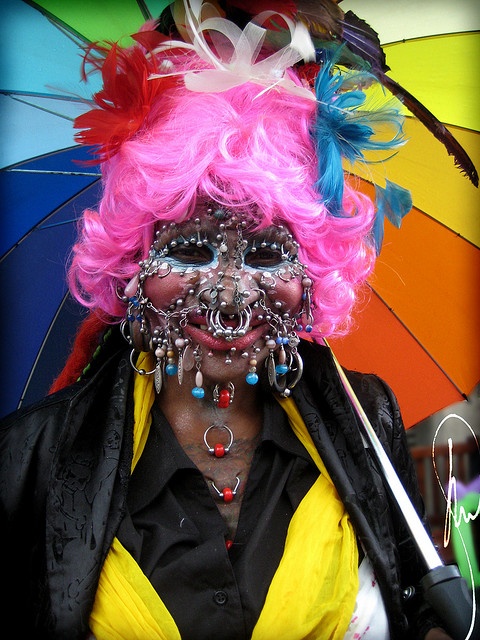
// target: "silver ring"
[[226, 448]]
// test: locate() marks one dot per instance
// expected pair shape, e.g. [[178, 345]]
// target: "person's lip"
[[199, 334]]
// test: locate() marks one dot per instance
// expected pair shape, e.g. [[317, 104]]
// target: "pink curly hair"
[[243, 148]]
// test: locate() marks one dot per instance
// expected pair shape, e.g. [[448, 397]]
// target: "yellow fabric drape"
[[127, 607], [313, 591]]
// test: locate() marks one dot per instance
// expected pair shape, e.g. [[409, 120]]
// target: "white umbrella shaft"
[[424, 543]]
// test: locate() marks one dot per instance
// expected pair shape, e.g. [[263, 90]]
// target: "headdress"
[[336, 54]]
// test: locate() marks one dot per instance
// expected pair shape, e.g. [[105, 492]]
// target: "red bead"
[[227, 494], [219, 450], [224, 398], [228, 544]]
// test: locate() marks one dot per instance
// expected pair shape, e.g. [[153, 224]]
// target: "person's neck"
[[190, 416]]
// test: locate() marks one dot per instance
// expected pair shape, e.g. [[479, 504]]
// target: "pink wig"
[[244, 148]]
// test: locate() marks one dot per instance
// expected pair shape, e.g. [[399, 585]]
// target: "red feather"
[[127, 95]]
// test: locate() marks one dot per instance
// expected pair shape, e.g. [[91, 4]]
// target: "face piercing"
[[223, 397], [227, 494], [218, 449], [219, 329]]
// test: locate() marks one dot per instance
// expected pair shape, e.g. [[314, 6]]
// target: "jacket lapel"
[[86, 495], [332, 423]]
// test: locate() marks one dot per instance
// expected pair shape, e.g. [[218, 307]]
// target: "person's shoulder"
[[52, 407], [320, 366], [320, 356]]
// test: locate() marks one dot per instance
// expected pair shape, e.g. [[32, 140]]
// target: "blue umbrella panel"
[[47, 194]]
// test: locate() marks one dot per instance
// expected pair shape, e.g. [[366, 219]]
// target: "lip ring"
[[202, 336], [219, 329]]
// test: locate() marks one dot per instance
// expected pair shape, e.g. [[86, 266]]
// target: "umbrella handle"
[[447, 593], [444, 589]]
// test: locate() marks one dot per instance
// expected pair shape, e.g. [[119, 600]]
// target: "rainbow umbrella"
[[417, 326], [45, 187]]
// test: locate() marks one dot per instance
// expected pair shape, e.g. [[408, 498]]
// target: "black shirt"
[[175, 532]]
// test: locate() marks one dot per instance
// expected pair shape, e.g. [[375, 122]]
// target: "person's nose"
[[233, 291]]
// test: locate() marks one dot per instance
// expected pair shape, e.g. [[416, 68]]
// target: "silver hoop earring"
[[283, 376], [141, 372]]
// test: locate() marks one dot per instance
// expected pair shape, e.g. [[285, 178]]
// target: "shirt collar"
[[163, 456]]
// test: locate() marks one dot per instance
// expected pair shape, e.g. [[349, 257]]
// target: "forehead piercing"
[[218, 212]]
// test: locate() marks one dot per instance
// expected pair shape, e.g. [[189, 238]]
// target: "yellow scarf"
[[312, 594]]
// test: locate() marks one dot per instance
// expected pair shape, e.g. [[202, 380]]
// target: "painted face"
[[211, 290]]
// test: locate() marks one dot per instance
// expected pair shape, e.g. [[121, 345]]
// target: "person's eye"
[[192, 254], [263, 257]]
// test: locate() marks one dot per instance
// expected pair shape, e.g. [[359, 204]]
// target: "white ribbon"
[[234, 60]]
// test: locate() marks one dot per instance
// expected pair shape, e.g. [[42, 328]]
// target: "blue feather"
[[343, 130], [394, 202]]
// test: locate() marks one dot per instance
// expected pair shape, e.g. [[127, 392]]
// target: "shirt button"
[[220, 598]]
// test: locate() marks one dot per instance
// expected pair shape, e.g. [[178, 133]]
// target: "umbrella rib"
[[44, 109], [42, 346], [57, 224], [424, 213], [13, 93], [430, 36], [69, 32], [41, 223], [56, 173], [446, 227], [420, 344], [144, 9]]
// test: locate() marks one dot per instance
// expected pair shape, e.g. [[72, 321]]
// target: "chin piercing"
[[252, 376], [171, 368], [223, 396], [198, 391], [218, 449], [180, 345]]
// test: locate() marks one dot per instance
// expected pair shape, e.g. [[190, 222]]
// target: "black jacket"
[[55, 536]]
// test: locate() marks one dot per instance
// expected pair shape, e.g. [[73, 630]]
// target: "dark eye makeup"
[[192, 254], [200, 246], [263, 257]]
